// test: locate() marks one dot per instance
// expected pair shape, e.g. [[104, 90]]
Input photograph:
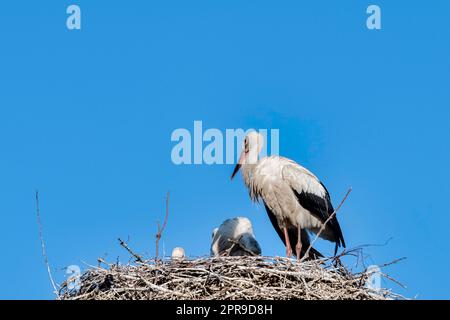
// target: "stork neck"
[[248, 171]]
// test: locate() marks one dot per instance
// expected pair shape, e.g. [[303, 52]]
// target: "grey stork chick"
[[235, 237], [295, 200]]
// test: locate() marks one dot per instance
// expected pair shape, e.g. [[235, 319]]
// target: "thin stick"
[[161, 230], [324, 225], [392, 262], [123, 244], [41, 237], [237, 243], [393, 280]]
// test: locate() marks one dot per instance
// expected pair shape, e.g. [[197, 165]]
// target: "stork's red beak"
[[238, 165]]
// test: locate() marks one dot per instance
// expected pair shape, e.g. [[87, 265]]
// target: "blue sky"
[[86, 117]]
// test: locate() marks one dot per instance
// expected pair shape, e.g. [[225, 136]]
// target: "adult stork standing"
[[295, 199]]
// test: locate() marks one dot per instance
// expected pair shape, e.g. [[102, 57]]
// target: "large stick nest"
[[224, 278]]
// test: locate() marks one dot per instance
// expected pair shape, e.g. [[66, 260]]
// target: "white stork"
[[295, 199], [236, 236]]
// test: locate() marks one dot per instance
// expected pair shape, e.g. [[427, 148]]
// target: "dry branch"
[[44, 252], [161, 230], [135, 255]]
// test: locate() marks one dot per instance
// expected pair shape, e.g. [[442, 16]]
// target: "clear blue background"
[[86, 118]]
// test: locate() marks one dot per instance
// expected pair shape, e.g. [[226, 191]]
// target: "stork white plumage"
[[235, 237], [295, 199], [178, 253]]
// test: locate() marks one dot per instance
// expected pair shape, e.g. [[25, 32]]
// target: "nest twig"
[[41, 238], [224, 278], [161, 229]]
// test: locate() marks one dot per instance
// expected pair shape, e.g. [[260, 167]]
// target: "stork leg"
[[298, 247], [288, 243]]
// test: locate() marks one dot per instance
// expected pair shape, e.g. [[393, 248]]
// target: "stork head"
[[214, 232], [251, 148], [249, 242]]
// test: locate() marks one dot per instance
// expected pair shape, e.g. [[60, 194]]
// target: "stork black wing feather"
[[322, 209]]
